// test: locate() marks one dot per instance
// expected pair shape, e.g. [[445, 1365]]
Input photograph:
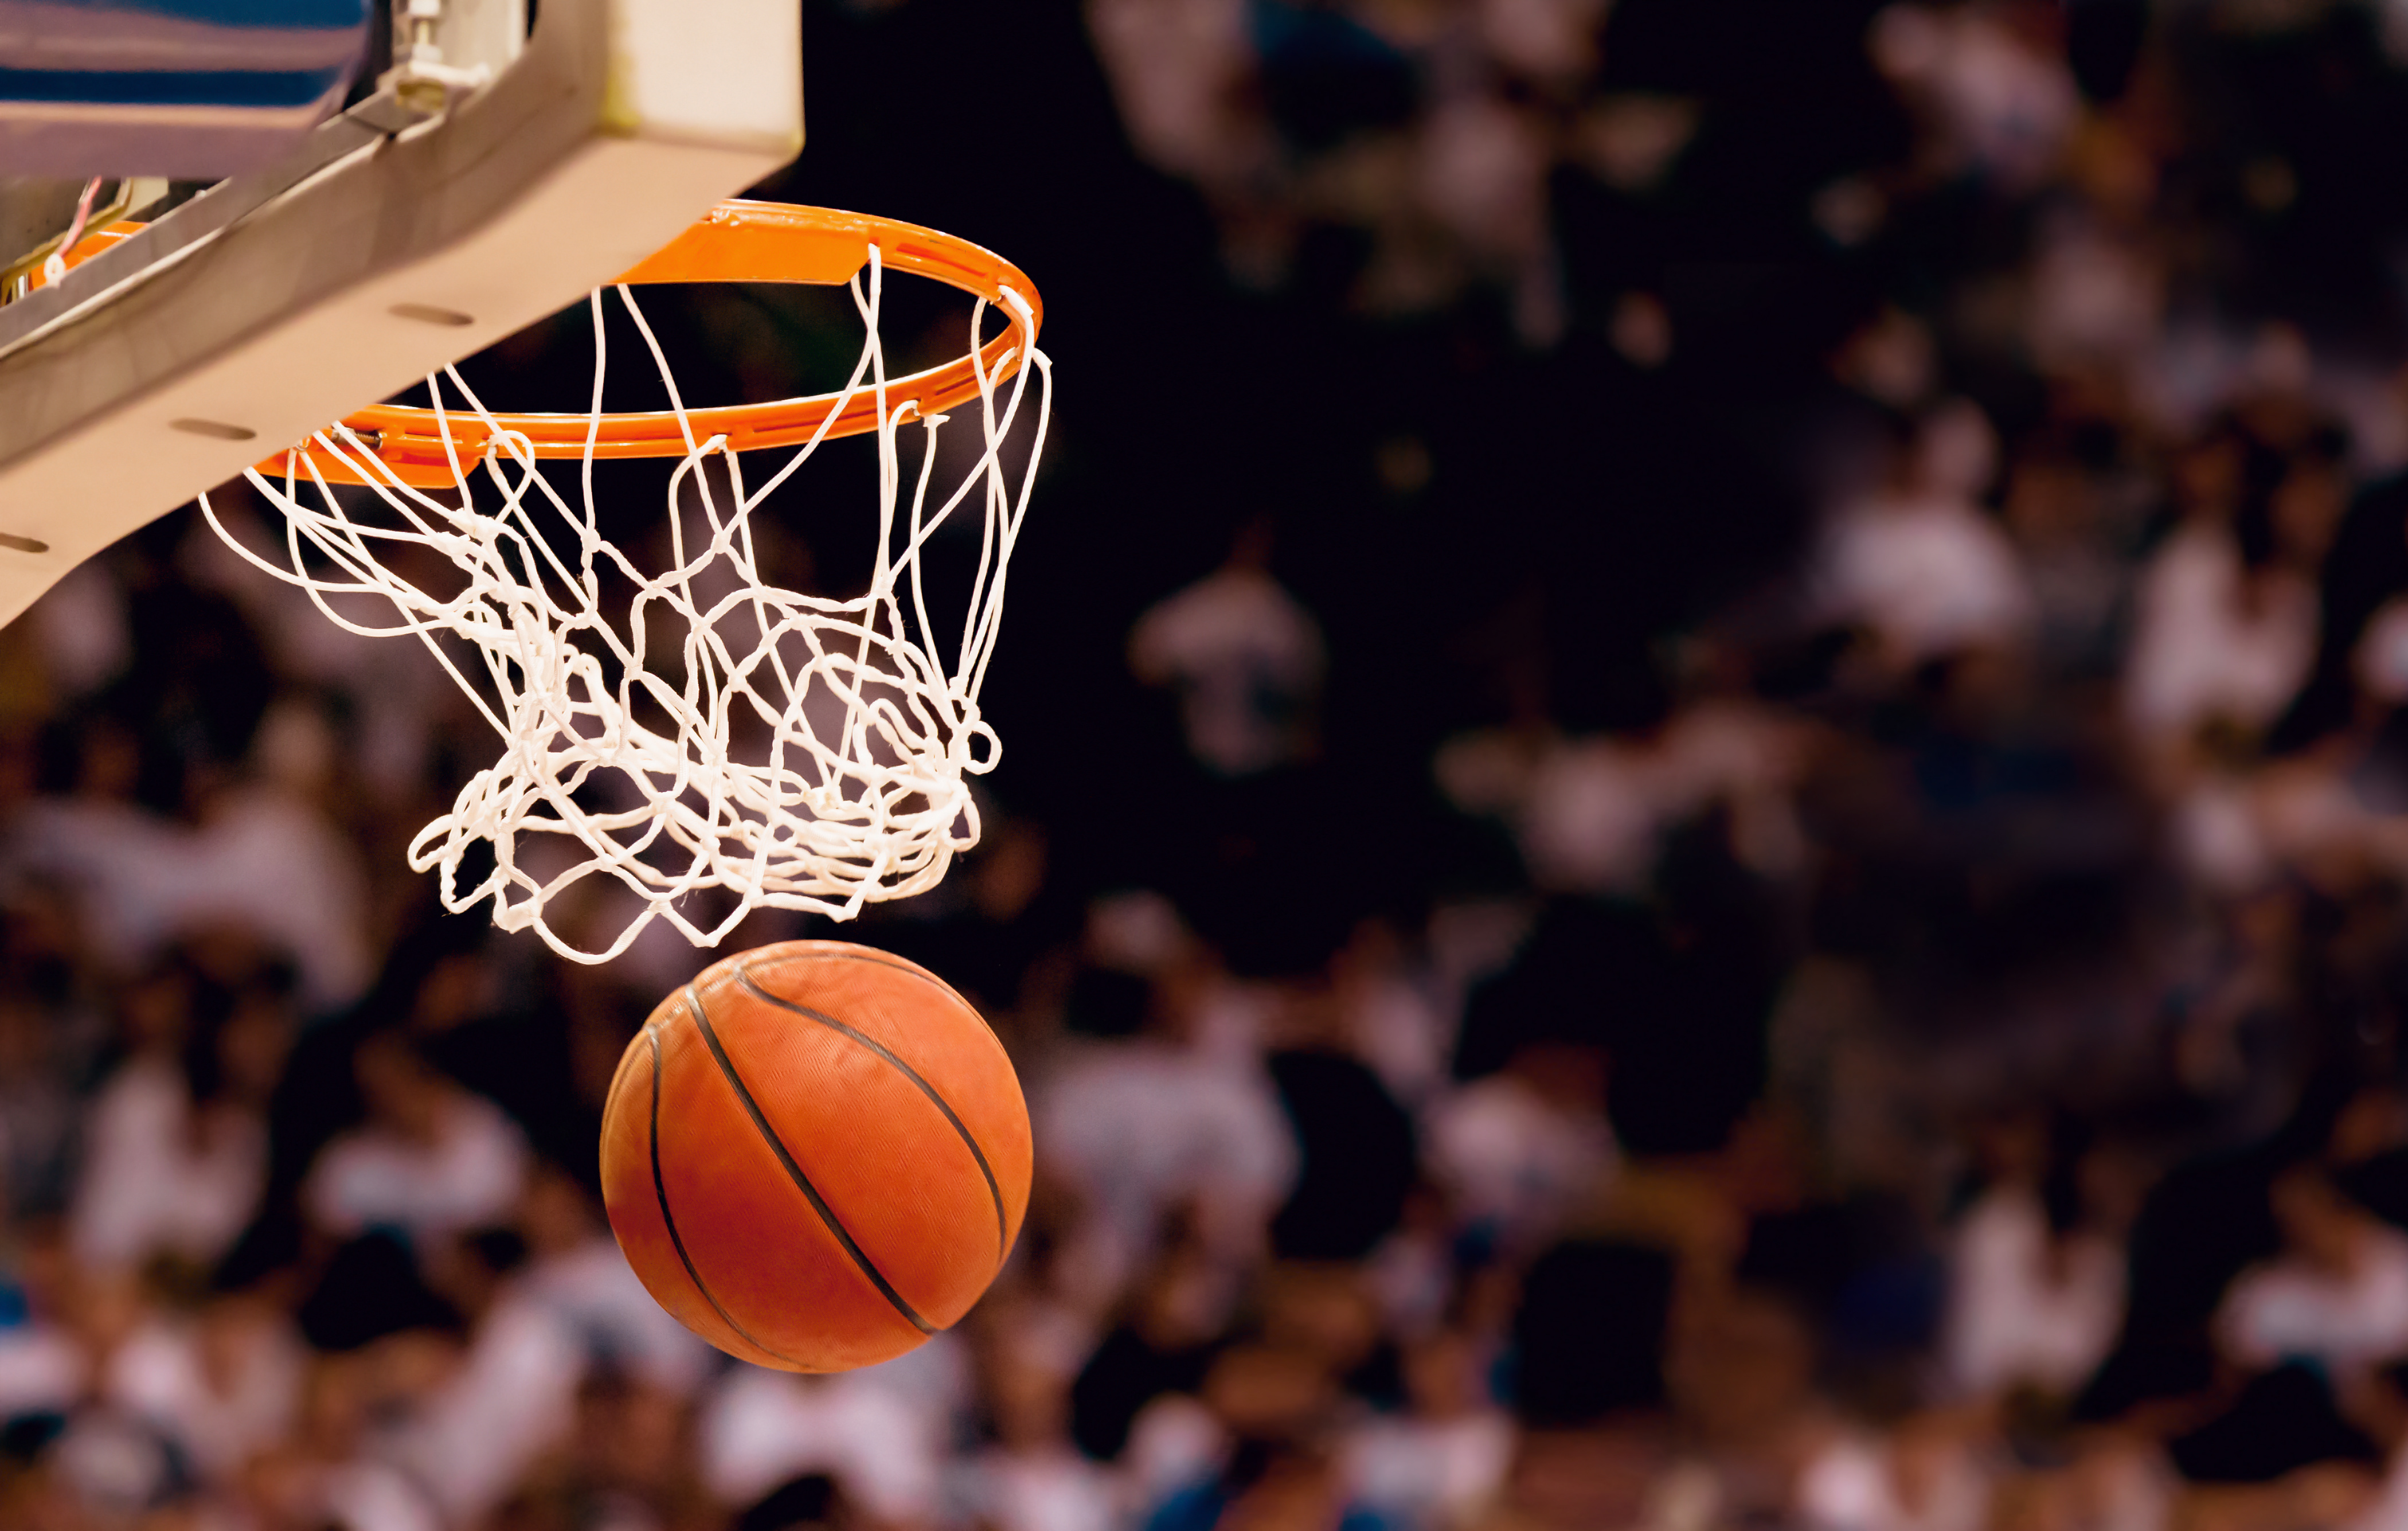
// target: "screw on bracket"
[[420, 82]]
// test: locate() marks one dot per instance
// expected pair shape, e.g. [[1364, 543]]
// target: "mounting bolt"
[[422, 95], [421, 82]]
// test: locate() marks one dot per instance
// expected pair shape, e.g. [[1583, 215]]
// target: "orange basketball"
[[816, 1155]]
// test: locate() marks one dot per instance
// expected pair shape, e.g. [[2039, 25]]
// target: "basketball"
[[815, 1155]]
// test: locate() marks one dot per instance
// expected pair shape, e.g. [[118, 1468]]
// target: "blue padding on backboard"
[[337, 13], [191, 89], [158, 86]]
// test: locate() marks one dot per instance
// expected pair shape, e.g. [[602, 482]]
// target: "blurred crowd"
[[1860, 989]]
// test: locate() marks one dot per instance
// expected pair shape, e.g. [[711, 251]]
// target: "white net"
[[799, 751]]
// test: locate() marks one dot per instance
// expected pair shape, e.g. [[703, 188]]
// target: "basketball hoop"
[[670, 775]]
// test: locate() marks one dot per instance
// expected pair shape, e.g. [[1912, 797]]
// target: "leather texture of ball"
[[815, 1155]]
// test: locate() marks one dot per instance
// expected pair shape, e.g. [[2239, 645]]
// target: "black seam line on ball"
[[661, 1191], [876, 958], [994, 1191], [795, 1171]]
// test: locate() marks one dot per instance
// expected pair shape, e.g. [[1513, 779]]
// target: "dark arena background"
[[1703, 827]]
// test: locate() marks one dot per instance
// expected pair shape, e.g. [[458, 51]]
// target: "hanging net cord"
[[859, 798]]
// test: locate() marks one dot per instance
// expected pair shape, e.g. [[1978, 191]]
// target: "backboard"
[[383, 245], [192, 88]]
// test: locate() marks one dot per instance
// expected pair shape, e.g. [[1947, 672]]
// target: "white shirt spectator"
[[471, 1441], [1141, 1128], [2200, 653], [2287, 1310], [113, 1463], [42, 1369], [156, 1181], [223, 1389], [126, 868], [2018, 1317], [1746, 754], [2217, 833], [269, 862], [766, 1427], [1400, 1029], [1513, 1159], [1591, 817], [1050, 1489], [1853, 1484], [1174, 1442], [1589, 814], [2003, 106], [1247, 661], [372, 1496], [1428, 1474], [593, 1291], [937, 1380], [374, 1178], [264, 861], [1929, 574]]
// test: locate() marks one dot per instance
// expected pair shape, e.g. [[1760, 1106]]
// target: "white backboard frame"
[[275, 303]]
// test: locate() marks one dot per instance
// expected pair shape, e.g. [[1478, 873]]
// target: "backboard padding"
[[267, 304]]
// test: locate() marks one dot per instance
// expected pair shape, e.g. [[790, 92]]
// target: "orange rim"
[[736, 241]]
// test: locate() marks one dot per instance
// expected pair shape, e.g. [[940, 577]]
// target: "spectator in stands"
[[1244, 659], [431, 1160]]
